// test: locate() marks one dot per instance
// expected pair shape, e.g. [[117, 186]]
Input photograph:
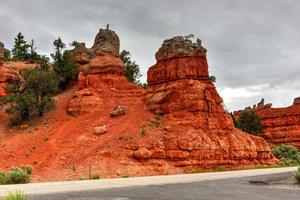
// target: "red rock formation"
[[104, 71], [280, 125], [196, 129]]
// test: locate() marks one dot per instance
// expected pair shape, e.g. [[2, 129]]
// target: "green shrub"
[[19, 176], [17, 195], [16, 176], [297, 175], [95, 176], [287, 154]]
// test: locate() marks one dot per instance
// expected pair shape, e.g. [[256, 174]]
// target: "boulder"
[[99, 130], [118, 110]]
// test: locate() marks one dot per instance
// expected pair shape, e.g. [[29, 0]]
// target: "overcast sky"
[[253, 45]]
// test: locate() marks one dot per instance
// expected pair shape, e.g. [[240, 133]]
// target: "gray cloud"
[[253, 45]]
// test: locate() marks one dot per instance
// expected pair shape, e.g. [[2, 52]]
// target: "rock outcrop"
[[195, 129], [280, 125], [105, 41]]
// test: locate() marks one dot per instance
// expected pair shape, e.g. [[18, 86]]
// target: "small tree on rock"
[[20, 49]]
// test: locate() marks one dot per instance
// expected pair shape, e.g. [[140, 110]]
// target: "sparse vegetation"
[[213, 79], [249, 122], [16, 176], [16, 195], [287, 154], [133, 73], [297, 176]]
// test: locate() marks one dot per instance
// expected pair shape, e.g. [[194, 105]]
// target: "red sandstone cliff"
[[280, 125]]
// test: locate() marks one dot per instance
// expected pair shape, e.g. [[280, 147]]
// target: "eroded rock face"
[[196, 130], [179, 58], [280, 125]]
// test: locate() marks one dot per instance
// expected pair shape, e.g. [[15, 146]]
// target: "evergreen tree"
[[20, 50], [249, 122], [132, 69], [7, 55], [64, 66]]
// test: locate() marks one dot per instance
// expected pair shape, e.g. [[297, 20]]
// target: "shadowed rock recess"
[[280, 125]]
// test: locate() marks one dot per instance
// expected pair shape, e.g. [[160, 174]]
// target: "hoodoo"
[[197, 131], [102, 72]]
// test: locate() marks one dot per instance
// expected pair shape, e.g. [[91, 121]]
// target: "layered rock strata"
[[280, 125]]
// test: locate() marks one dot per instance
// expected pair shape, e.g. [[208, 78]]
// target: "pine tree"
[[63, 66], [20, 50], [132, 69]]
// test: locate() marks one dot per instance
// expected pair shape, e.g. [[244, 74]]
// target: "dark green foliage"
[[7, 55], [16, 176], [34, 97], [287, 154], [41, 84], [235, 122], [132, 69], [297, 175], [24, 51], [213, 79], [63, 66], [74, 43], [20, 50], [249, 122]]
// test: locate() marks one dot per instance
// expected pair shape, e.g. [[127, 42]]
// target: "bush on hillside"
[[287, 154]]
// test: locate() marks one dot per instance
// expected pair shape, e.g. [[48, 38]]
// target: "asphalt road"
[[207, 186], [230, 189]]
